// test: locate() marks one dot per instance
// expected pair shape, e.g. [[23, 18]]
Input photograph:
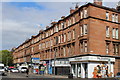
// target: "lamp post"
[[54, 60]]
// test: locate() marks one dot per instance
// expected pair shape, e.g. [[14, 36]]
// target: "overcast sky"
[[21, 20]]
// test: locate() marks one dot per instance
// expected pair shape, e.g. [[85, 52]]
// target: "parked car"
[[14, 70], [2, 70], [118, 75], [22, 68]]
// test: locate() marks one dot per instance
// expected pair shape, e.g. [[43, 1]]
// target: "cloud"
[[57, 1]]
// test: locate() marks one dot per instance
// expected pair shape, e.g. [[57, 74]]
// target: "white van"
[[22, 68], [2, 70]]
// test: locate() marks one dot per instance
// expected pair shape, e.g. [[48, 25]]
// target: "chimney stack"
[[62, 17], [47, 27], [98, 2], [71, 10], [41, 31]]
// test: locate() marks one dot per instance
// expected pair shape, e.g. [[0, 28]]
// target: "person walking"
[[27, 72]]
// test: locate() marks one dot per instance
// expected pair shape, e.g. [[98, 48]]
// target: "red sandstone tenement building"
[[89, 36]]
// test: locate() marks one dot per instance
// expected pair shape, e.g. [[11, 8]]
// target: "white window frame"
[[113, 33], [113, 17], [117, 34], [107, 15], [81, 30], [81, 14], [73, 33], [116, 18], [85, 29], [107, 31], [85, 13], [85, 46]]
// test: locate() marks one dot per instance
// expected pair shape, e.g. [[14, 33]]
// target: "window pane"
[[116, 33]]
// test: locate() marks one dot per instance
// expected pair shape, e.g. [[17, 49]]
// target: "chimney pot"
[[71, 10], [98, 2], [62, 17], [47, 27]]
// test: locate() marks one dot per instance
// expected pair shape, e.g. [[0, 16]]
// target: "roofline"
[[93, 4]]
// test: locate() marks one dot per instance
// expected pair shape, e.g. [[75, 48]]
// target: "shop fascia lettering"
[[63, 62], [92, 58]]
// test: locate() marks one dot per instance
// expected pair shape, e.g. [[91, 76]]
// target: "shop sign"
[[61, 62], [92, 58], [35, 60]]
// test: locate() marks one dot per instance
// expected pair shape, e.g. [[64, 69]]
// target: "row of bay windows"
[[71, 35], [115, 34], [58, 39], [115, 48], [66, 50], [114, 17]]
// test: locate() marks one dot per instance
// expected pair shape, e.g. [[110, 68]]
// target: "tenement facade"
[[80, 43]]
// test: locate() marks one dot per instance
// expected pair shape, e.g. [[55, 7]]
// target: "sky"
[[20, 20]]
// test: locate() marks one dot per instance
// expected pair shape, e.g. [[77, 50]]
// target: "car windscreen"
[[118, 74], [1, 67], [23, 68]]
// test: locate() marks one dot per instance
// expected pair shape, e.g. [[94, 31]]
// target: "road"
[[22, 76]]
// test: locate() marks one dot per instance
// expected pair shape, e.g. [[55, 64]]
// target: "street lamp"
[[54, 60]]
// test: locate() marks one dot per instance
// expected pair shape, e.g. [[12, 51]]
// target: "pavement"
[[52, 76]]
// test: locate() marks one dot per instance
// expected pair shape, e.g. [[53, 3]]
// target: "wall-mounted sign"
[[61, 62], [35, 60], [92, 58]]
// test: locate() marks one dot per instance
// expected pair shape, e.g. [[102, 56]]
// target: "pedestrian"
[[27, 72]]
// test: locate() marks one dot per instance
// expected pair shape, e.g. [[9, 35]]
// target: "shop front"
[[92, 66], [61, 67]]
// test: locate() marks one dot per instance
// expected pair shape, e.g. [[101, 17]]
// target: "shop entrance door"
[[73, 69], [84, 70], [79, 70]]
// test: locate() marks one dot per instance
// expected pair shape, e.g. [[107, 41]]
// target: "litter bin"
[[70, 76]]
